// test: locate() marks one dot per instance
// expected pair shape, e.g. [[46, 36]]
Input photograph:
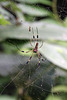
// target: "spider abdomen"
[[35, 50]]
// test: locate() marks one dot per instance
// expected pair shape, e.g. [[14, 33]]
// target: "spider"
[[35, 47]]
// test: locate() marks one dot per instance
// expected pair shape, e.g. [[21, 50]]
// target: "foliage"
[[3, 21], [26, 7], [58, 90], [7, 98], [20, 15]]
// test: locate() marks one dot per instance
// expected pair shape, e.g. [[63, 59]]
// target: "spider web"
[[30, 77], [62, 9], [35, 81]]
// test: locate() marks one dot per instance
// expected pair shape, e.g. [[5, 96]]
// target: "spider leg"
[[39, 62], [37, 34], [38, 38], [41, 45], [26, 51], [29, 51], [42, 57], [33, 36], [29, 59], [39, 56], [31, 43]]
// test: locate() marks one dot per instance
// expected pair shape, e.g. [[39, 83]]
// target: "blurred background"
[[21, 81]]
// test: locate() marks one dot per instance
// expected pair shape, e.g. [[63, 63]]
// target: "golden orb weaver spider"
[[35, 48]]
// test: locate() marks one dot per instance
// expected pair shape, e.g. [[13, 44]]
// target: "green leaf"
[[55, 53], [50, 21], [65, 22], [3, 21], [51, 97], [7, 98], [25, 50], [45, 30], [13, 6], [3, 0], [33, 10], [4, 80], [46, 2], [59, 88], [4, 12]]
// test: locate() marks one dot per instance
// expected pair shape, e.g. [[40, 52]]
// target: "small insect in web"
[[35, 47]]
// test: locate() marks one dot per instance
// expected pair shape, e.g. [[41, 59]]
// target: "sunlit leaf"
[[60, 88], [25, 50], [3, 21], [51, 97]]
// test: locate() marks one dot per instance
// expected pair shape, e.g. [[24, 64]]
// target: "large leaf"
[[45, 30], [4, 12], [33, 10], [46, 2], [56, 54]]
